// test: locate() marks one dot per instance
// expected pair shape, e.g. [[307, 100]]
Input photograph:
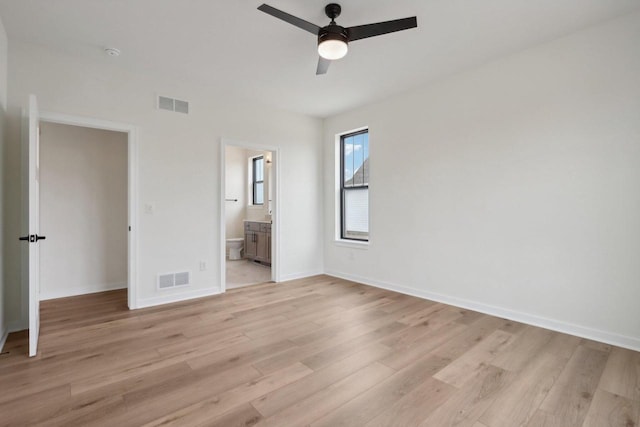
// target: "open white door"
[[31, 145]]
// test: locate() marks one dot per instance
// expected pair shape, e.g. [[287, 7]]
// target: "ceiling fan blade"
[[300, 23], [370, 30], [323, 65]]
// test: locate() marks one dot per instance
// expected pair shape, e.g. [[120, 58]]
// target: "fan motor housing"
[[333, 32]]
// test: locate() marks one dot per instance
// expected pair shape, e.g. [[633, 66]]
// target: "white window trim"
[[353, 244]]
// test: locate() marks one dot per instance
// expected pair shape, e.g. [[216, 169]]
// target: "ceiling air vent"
[[165, 103], [172, 280]]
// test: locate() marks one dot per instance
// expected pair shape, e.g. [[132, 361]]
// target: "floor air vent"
[[165, 103], [172, 280]]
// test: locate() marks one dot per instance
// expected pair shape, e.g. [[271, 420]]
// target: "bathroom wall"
[[257, 213], [236, 188]]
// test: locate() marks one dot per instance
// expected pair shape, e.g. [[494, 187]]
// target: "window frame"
[[255, 182], [344, 189]]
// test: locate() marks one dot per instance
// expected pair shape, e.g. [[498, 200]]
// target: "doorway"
[[30, 136], [83, 208], [104, 234], [249, 214]]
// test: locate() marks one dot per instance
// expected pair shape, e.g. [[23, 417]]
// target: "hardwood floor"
[[319, 351]]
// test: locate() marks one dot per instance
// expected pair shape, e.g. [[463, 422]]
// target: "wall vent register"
[[172, 280], [170, 104]]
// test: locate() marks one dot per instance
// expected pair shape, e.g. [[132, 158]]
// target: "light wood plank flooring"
[[319, 351]]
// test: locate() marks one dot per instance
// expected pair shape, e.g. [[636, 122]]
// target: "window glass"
[[354, 186], [258, 180]]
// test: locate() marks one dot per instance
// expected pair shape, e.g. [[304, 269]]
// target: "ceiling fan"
[[333, 39]]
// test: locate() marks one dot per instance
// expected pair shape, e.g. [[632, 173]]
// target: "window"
[[258, 180], [354, 186]]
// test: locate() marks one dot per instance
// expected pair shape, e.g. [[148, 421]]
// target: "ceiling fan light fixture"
[[333, 42], [333, 49], [334, 39]]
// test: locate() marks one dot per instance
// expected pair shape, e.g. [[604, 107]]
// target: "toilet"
[[234, 248]]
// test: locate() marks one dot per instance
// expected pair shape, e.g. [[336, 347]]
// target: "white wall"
[[236, 186], [3, 108], [512, 188], [178, 162], [83, 210]]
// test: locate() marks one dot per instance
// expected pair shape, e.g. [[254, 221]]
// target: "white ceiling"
[[230, 46]]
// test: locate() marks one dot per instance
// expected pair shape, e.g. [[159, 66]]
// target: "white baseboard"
[[3, 338], [300, 275], [72, 292], [612, 338], [183, 296]]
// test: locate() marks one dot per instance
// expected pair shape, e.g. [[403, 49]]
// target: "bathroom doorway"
[[249, 230]]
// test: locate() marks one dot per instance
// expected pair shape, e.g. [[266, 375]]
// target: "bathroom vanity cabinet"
[[257, 241]]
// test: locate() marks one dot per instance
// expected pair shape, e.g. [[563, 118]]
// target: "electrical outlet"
[[203, 265]]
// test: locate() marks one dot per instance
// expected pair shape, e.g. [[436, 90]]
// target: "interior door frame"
[[275, 211], [132, 183]]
